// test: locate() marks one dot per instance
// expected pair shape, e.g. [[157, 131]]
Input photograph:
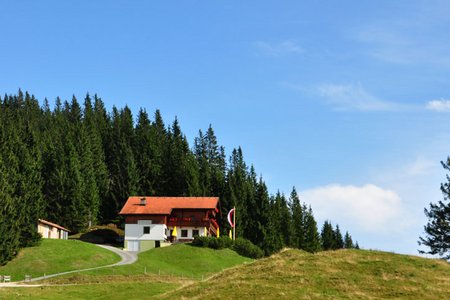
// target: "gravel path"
[[127, 257]]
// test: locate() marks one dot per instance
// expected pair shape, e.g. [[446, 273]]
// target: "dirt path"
[[127, 257]]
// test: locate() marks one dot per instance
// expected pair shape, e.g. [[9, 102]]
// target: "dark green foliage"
[[348, 242], [312, 237], [238, 193], [201, 241], [76, 165], [21, 200], [298, 222], [242, 246], [328, 236], [284, 218], [339, 242], [246, 248], [437, 230], [220, 243]]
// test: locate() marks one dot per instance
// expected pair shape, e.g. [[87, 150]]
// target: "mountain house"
[[158, 221]]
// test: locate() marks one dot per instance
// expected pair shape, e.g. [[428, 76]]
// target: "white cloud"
[[353, 97], [367, 208], [439, 105], [279, 49]]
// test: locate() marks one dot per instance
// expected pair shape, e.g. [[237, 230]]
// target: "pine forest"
[[77, 164]]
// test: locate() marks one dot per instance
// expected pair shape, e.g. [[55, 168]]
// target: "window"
[[184, 233], [195, 232], [146, 229]]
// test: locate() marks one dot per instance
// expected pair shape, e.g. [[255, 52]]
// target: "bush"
[[201, 241], [212, 242], [241, 246], [246, 248]]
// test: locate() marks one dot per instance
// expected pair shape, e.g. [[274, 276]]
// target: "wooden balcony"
[[189, 222]]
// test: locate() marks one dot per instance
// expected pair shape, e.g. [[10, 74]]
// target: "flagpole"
[[234, 222]]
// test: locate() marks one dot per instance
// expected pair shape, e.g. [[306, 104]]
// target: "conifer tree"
[[339, 242], [328, 236], [237, 193], [312, 237], [348, 242], [144, 154], [259, 215], [121, 162], [437, 230], [273, 241], [298, 221], [10, 220], [159, 141], [92, 127]]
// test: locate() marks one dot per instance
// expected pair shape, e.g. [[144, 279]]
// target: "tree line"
[[77, 164]]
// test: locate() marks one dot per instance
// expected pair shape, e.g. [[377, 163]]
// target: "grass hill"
[[181, 260], [53, 256], [292, 274], [167, 269], [342, 274]]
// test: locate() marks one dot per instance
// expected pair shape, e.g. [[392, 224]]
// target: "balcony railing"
[[188, 222]]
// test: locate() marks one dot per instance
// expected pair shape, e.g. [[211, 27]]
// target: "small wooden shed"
[[51, 230]]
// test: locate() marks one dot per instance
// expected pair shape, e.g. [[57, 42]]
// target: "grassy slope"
[[53, 256], [178, 260], [109, 288], [129, 282], [338, 274]]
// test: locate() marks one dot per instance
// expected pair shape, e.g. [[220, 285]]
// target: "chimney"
[[143, 201]]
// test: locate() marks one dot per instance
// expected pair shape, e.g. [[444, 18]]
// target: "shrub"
[[212, 242], [241, 246], [246, 248], [201, 241]]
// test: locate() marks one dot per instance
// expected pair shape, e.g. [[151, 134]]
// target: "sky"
[[348, 101]]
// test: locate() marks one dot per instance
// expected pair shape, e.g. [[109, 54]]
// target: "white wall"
[[201, 232], [55, 233], [136, 232]]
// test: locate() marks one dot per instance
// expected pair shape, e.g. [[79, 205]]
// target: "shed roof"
[[53, 225], [165, 205]]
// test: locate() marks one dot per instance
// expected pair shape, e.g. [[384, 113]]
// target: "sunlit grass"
[[340, 274], [53, 256]]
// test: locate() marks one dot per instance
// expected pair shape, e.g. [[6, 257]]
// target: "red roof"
[[164, 205], [53, 225]]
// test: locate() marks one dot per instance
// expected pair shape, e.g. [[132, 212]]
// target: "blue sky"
[[347, 100]]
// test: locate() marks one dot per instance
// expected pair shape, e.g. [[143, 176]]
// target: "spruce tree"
[[348, 242], [273, 241], [259, 215], [283, 218], [237, 192], [92, 127], [144, 155], [437, 230], [10, 218], [339, 242], [312, 237], [328, 236], [121, 163], [298, 221]]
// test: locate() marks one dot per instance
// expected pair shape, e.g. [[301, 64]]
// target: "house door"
[[133, 245]]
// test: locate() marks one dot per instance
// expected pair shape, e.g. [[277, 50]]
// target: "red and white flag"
[[230, 217]]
